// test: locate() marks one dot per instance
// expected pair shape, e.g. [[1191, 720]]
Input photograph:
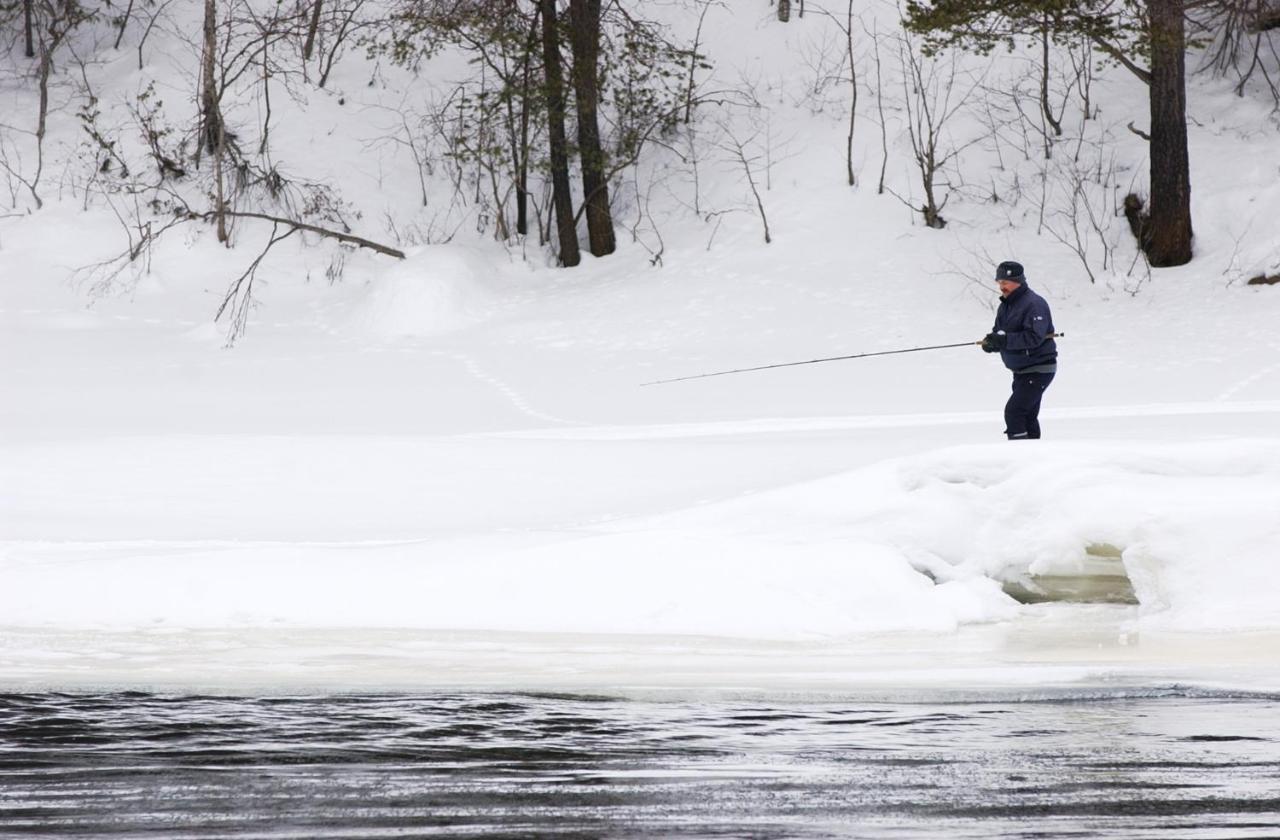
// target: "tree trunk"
[[210, 115], [560, 190], [213, 134], [46, 69], [314, 26], [584, 16], [1168, 239], [219, 195], [853, 92], [26, 28], [1045, 107], [521, 156]]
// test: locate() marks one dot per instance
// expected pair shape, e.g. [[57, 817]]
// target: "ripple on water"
[[519, 765]]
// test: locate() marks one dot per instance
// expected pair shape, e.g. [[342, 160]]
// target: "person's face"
[[1007, 286]]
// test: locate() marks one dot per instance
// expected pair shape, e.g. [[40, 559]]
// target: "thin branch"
[[333, 234], [241, 291], [1114, 51]]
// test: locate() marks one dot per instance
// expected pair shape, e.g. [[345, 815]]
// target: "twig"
[[241, 291]]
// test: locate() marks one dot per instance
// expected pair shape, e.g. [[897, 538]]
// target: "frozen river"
[[1189, 764]]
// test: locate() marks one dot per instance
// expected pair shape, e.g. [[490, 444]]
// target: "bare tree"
[[154, 15], [853, 90], [1038, 99], [1082, 220], [1239, 36], [694, 57], [750, 152], [847, 73], [851, 61], [51, 24], [237, 46], [748, 161], [884, 130], [334, 26], [931, 99]]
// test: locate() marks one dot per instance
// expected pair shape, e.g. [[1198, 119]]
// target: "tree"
[[561, 192], [1127, 32], [1167, 234], [503, 40], [930, 98], [629, 84], [51, 25], [584, 17]]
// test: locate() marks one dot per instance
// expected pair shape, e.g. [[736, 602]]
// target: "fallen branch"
[[332, 234]]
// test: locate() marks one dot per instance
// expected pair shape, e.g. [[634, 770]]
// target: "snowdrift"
[[436, 290], [921, 543]]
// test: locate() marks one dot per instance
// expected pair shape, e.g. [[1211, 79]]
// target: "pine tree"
[[1128, 32]]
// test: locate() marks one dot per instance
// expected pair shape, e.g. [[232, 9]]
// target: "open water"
[[504, 765]]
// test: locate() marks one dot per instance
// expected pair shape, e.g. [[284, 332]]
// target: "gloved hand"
[[994, 342]]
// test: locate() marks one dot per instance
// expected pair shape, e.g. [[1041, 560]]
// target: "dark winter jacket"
[[1024, 319]]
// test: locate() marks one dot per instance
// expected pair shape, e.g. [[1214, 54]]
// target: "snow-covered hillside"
[[450, 461]]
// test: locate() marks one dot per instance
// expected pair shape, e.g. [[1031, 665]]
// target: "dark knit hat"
[[1010, 270]]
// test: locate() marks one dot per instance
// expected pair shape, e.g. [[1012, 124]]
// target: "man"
[[1023, 335]]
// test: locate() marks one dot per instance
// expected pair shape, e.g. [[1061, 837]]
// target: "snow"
[[433, 291], [446, 472]]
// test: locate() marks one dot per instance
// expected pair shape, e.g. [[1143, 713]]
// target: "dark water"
[[134, 765]]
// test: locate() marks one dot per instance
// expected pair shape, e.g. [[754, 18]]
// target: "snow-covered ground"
[[447, 471]]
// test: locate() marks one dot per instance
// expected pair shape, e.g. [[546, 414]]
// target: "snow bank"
[[1194, 523], [644, 583], [920, 543], [437, 289]]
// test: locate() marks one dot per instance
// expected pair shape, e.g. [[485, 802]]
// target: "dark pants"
[[1021, 412]]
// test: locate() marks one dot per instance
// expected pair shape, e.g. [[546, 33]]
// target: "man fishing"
[[1023, 335]]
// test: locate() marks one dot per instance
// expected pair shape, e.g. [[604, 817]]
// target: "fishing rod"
[[829, 359]]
